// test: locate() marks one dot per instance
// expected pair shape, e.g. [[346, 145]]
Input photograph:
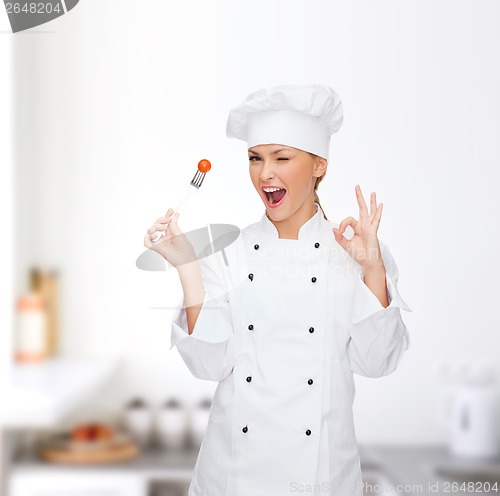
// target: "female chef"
[[285, 316]]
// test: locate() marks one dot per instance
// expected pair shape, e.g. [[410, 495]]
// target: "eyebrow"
[[272, 153]]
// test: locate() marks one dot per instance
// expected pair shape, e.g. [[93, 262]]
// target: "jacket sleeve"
[[378, 335], [209, 351]]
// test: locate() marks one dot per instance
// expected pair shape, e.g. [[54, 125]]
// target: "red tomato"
[[80, 433], [204, 165]]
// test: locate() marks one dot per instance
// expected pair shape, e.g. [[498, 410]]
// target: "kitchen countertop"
[[412, 470], [41, 394], [427, 470]]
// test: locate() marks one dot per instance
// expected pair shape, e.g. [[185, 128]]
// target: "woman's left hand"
[[363, 247]]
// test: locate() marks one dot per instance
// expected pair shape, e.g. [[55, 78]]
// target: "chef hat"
[[302, 116]]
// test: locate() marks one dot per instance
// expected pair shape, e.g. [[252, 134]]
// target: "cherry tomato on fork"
[[204, 165]]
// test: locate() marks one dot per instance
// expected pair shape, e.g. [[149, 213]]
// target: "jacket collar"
[[309, 230]]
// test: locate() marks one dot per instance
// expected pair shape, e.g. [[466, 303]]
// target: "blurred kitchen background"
[[106, 112]]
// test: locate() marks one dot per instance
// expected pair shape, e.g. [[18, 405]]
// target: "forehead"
[[271, 148]]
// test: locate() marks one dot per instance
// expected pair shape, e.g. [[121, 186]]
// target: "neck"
[[289, 228]]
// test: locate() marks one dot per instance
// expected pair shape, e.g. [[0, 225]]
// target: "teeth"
[[270, 190]]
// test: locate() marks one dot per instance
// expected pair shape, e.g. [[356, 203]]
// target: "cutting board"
[[102, 452]]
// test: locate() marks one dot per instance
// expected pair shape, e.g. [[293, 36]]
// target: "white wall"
[[117, 104], [7, 289], [6, 207]]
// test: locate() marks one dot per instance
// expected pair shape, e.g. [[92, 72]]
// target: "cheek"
[[297, 178], [254, 176]]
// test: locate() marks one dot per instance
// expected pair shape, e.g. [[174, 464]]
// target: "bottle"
[[45, 284], [30, 330]]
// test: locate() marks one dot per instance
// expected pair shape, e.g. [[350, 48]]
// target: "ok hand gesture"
[[363, 247]]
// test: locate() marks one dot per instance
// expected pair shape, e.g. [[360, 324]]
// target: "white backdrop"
[[116, 102]]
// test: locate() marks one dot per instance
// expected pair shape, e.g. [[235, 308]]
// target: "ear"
[[320, 166]]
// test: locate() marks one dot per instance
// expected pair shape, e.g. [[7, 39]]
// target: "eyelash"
[[280, 158]]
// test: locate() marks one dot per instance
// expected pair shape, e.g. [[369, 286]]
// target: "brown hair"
[[318, 180]]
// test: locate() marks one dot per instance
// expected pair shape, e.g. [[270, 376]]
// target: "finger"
[[173, 227], [378, 215], [160, 222], [341, 240], [373, 205], [154, 238], [169, 211], [147, 241], [163, 220], [348, 221], [157, 227], [363, 209]]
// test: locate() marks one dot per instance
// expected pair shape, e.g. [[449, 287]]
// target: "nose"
[[266, 172]]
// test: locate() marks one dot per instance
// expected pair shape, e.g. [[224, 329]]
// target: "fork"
[[193, 187]]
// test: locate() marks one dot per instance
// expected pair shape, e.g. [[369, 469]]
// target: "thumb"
[[341, 240], [173, 225]]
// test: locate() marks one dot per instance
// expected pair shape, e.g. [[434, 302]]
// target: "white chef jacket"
[[283, 326]]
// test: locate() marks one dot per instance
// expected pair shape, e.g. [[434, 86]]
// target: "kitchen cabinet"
[[68, 483], [154, 472]]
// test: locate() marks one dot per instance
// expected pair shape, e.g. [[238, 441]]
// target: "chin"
[[277, 214]]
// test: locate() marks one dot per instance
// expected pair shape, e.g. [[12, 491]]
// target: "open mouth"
[[275, 198]]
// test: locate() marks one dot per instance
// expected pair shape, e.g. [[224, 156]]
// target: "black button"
[[311, 329], [249, 378], [245, 429], [250, 276], [308, 432], [313, 279], [256, 247], [316, 245], [250, 327], [310, 381]]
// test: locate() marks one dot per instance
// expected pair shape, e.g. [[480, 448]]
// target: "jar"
[[172, 425], [138, 421]]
